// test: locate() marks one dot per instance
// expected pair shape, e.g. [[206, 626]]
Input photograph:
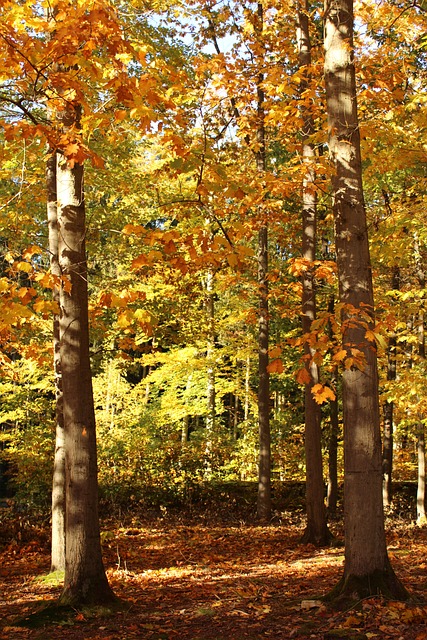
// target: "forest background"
[[171, 98]]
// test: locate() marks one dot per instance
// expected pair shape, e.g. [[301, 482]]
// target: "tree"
[[58, 480], [85, 579], [264, 472], [316, 531], [367, 569], [388, 410]]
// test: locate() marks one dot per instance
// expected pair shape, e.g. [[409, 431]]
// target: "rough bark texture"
[[85, 579], [367, 570], [58, 481], [316, 531]]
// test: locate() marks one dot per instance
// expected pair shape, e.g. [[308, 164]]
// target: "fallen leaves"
[[209, 583]]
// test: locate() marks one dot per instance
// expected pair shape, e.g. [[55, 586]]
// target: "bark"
[[247, 387], [367, 570], [58, 480], [210, 359], [421, 444], [85, 579], [316, 531], [389, 408], [332, 490], [264, 469], [421, 484], [236, 417]]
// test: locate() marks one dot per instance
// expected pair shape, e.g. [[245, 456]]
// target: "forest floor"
[[195, 580]]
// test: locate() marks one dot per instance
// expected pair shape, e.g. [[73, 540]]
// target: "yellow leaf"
[[322, 393], [24, 266], [123, 320]]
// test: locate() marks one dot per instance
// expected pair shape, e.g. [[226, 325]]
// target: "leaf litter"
[[201, 582]]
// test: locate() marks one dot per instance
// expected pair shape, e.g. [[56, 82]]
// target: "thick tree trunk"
[[85, 579], [316, 531], [367, 570], [58, 482]]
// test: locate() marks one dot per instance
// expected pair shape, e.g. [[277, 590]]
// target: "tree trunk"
[[58, 481], [389, 408], [367, 570], [421, 443], [332, 490], [316, 531], [421, 485], [210, 360], [247, 387], [264, 468], [85, 579]]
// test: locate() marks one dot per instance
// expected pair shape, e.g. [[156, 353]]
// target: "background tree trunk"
[[316, 531], [85, 579], [332, 490], [58, 481], [264, 471], [367, 570], [211, 384], [421, 443], [389, 408]]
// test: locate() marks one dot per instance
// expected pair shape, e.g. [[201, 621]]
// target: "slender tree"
[[316, 531], [264, 469], [367, 569], [332, 489], [58, 482], [389, 406], [421, 437]]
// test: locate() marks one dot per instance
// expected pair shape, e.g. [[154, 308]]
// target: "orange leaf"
[[302, 376], [276, 366]]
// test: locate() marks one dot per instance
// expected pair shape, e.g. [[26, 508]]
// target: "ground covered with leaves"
[[201, 581]]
